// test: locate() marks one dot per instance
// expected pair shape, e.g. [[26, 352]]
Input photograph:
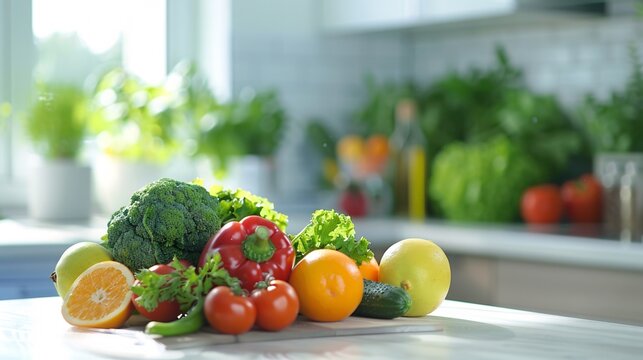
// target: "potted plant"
[[140, 129], [242, 139], [59, 187]]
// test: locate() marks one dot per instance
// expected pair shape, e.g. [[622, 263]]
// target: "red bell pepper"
[[250, 248]]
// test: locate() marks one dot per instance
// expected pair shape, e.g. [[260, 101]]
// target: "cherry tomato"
[[228, 313], [542, 205], [277, 305], [186, 263], [165, 310], [583, 199]]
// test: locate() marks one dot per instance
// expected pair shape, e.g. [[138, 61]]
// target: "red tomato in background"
[[583, 199], [166, 310], [542, 204], [277, 305], [228, 313], [353, 201]]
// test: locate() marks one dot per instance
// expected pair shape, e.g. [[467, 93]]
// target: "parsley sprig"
[[185, 285]]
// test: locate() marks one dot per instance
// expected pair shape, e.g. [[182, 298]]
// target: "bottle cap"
[[405, 109]]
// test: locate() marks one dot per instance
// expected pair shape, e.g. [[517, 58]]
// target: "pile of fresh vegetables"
[[223, 258]]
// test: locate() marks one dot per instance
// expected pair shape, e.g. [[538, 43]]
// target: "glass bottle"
[[409, 162]]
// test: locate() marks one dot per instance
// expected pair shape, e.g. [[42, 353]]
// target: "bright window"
[[79, 37], [69, 41]]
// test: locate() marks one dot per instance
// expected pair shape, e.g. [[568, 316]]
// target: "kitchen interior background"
[[316, 56]]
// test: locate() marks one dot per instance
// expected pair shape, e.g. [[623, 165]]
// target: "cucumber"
[[383, 301]]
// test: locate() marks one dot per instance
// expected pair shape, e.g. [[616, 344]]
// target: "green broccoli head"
[[164, 219]]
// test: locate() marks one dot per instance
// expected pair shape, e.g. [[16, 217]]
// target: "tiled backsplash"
[[317, 77], [322, 76], [568, 59]]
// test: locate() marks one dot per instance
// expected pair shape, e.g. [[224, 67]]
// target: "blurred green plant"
[[57, 121], [483, 182], [325, 143], [464, 106], [252, 124], [377, 114], [616, 124], [475, 108], [134, 120]]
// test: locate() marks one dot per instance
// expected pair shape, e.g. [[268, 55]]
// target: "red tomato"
[[277, 305], [228, 313], [542, 205], [165, 310], [186, 263], [583, 199], [353, 202]]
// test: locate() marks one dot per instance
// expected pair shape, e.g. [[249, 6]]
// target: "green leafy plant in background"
[[474, 109], [539, 125], [325, 142], [377, 114], [616, 125], [513, 138], [58, 120], [250, 125], [137, 121], [483, 182], [463, 106]]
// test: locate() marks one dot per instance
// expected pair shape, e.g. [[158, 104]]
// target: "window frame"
[[185, 26], [17, 43]]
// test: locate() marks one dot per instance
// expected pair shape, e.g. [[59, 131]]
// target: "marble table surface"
[[34, 329]]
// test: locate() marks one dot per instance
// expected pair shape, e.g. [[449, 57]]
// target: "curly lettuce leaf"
[[234, 205], [330, 230]]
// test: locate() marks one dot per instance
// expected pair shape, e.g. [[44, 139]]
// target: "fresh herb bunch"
[[139, 121], [185, 285], [331, 230], [377, 114], [58, 120], [463, 106], [249, 125], [615, 125]]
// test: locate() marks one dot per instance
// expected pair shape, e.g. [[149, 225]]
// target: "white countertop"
[[34, 329], [509, 241], [23, 238]]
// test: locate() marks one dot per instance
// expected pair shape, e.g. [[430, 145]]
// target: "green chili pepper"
[[190, 323]]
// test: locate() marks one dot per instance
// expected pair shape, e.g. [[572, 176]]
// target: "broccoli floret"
[[164, 219]]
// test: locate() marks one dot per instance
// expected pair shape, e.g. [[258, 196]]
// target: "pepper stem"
[[257, 247]]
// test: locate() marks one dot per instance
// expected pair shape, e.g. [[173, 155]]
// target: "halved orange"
[[100, 297]]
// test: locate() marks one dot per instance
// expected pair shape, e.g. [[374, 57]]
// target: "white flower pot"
[[115, 180], [253, 173], [59, 190]]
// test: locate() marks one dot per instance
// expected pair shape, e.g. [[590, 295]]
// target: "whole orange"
[[377, 147], [370, 269], [329, 285]]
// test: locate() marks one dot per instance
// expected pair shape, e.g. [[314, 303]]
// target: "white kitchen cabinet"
[[364, 15], [372, 15], [383, 15], [579, 291]]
